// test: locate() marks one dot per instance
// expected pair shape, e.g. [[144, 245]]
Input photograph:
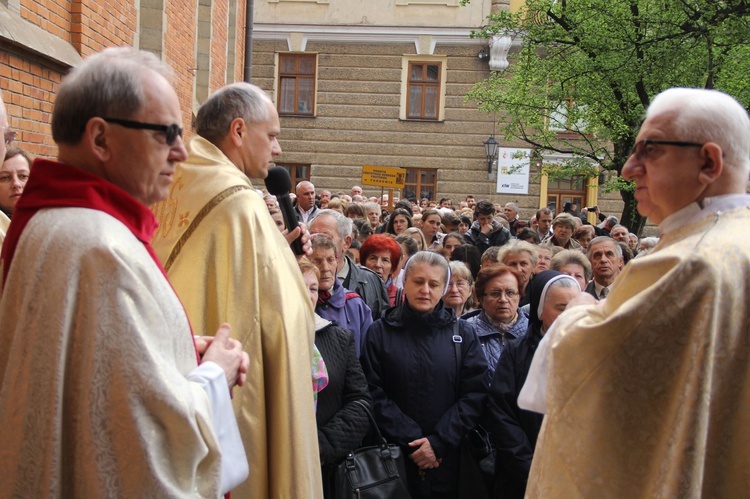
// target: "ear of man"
[[713, 163]]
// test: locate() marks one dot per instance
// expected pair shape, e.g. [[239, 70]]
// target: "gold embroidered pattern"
[[198, 219]]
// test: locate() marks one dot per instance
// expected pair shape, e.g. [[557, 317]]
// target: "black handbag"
[[376, 472]]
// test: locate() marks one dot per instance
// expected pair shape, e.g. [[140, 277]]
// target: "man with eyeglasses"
[[101, 394], [647, 393], [228, 262]]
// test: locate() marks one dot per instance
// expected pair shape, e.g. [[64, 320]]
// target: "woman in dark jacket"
[[425, 400], [514, 430], [342, 424]]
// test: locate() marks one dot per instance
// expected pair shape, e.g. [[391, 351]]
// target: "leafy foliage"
[[587, 70]]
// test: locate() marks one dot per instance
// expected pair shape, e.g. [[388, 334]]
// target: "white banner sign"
[[513, 170]]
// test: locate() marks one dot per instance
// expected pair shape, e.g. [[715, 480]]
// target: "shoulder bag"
[[376, 472]]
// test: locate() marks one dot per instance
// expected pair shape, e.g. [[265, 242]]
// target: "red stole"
[[57, 185]]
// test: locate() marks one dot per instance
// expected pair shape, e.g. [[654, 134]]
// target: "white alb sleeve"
[[234, 467]]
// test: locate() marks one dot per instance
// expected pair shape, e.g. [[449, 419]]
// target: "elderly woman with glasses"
[[499, 320], [458, 295]]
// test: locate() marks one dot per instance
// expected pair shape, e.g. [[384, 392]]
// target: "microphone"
[[279, 184]]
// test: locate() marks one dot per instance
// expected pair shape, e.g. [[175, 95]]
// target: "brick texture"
[[29, 82]]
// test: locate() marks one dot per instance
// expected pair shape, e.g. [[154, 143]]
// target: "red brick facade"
[[29, 77]]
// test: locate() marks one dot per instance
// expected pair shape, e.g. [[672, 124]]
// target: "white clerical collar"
[[697, 210]]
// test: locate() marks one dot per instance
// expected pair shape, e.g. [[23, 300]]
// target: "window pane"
[[286, 101], [287, 63], [307, 65], [302, 172], [305, 95], [411, 176], [409, 191], [415, 101], [431, 102], [433, 73], [416, 72], [428, 177]]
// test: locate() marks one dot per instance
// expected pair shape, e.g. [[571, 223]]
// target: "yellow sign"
[[384, 176]]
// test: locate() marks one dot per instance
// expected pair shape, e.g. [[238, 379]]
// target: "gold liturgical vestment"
[[648, 394], [228, 262]]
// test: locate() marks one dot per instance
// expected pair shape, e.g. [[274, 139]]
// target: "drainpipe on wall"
[[248, 41]]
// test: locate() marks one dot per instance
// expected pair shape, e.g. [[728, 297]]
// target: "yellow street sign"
[[384, 176]]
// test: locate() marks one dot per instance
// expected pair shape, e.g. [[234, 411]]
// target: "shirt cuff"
[[234, 467]]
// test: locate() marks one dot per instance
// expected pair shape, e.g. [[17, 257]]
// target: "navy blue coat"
[[409, 361], [514, 430]]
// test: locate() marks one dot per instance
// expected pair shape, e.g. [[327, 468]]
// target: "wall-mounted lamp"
[[490, 150]]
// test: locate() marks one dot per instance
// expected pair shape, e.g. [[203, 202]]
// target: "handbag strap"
[[457, 344], [366, 407]]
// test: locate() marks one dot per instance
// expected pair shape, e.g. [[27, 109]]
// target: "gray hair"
[[409, 243], [460, 270], [109, 84], [238, 100], [371, 205], [431, 258], [702, 116], [514, 247], [514, 206], [321, 241], [604, 239], [343, 223], [566, 257], [649, 242]]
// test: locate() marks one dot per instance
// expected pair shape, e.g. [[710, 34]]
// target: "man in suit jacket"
[[606, 260]]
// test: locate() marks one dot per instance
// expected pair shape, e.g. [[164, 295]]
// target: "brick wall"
[[28, 92], [29, 81]]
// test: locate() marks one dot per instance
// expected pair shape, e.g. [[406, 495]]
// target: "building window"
[[423, 98], [567, 118], [297, 84], [298, 172], [420, 183], [566, 190]]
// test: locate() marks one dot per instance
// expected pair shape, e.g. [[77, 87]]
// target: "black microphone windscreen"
[[278, 181]]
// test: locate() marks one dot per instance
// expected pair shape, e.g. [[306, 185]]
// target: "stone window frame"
[[406, 64], [297, 76]]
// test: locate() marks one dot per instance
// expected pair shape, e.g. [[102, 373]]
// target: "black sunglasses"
[[640, 151], [171, 131]]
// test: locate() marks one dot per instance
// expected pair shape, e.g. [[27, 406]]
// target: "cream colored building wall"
[[433, 13]]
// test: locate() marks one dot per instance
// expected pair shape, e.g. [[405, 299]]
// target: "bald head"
[[305, 195]]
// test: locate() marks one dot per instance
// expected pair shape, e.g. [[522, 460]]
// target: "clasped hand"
[[424, 456], [226, 353]]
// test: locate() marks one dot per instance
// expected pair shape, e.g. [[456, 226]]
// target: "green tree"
[[591, 67]]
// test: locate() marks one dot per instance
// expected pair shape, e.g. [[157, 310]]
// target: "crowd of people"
[[159, 338]]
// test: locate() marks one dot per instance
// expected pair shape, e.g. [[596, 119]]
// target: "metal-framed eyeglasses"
[[510, 294], [641, 148], [170, 131]]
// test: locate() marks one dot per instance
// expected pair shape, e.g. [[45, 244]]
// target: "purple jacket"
[[352, 313]]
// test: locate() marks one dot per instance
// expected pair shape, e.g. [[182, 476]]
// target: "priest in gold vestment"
[[228, 262], [647, 394]]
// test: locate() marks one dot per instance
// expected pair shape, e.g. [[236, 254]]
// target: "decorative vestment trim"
[[198, 219]]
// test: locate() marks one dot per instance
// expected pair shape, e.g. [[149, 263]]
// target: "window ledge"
[[22, 33]]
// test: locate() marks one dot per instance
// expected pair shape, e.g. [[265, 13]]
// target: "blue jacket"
[[493, 341], [352, 313], [410, 361]]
